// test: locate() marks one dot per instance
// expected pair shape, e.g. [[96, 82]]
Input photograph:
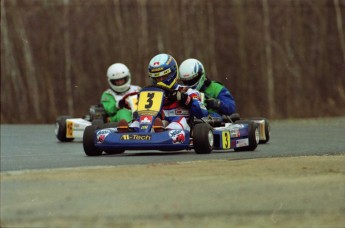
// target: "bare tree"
[[268, 52], [340, 26], [68, 60]]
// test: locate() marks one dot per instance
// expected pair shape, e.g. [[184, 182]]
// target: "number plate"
[[226, 142], [150, 102]]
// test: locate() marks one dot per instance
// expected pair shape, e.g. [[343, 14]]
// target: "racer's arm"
[[220, 99], [227, 104], [110, 105], [191, 100], [198, 109]]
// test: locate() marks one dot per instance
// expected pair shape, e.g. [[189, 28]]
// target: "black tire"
[[110, 125], [97, 123], [113, 151], [267, 129], [61, 128], [88, 142], [100, 124], [253, 134], [201, 141]]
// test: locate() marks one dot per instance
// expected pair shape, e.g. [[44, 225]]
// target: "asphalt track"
[[296, 180], [32, 147]]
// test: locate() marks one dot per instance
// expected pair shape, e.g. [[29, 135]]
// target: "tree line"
[[280, 59]]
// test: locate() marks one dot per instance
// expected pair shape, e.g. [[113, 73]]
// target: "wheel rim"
[[57, 126], [257, 135], [210, 138]]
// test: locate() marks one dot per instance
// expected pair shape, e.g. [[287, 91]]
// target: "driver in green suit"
[[119, 79]]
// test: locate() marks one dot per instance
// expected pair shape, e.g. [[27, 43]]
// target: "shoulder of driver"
[[134, 88], [107, 95]]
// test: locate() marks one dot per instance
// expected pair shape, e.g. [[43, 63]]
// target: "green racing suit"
[[110, 101], [216, 90]]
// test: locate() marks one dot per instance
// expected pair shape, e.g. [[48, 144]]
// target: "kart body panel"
[[231, 136], [109, 138], [75, 127]]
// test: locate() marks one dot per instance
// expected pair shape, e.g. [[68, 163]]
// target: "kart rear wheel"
[[61, 129], [267, 129], [202, 138], [88, 142], [253, 136]]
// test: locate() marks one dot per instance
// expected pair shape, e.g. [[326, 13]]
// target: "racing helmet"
[[115, 73], [192, 73], [163, 70]]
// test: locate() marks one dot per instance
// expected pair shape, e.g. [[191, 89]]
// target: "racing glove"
[[122, 103], [183, 98], [212, 103]]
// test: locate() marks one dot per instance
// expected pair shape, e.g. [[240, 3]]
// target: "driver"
[[219, 100], [119, 79], [180, 103]]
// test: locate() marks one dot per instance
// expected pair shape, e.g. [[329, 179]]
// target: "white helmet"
[[192, 73], [119, 71]]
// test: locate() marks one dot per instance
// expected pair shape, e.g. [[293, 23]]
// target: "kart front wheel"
[[61, 129], [113, 151], [88, 142], [202, 138]]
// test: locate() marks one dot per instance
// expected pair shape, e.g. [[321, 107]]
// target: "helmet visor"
[[160, 79], [192, 81], [119, 81]]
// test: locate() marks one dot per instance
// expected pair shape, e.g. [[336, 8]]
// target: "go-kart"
[[203, 137], [68, 128], [263, 125]]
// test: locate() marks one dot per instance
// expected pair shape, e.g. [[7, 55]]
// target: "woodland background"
[[279, 58]]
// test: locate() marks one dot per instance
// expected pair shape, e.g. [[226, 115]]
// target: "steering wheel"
[[123, 100]]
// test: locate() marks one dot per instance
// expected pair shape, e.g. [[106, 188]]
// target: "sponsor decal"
[[159, 74], [177, 136], [101, 135], [235, 133], [136, 137], [157, 69], [145, 119], [181, 112], [242, 142]]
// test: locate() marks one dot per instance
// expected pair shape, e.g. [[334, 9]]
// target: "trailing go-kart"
[[262, 123], [203, 137], [68, 128]]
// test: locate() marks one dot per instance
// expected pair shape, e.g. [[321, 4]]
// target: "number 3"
[[149, 100]]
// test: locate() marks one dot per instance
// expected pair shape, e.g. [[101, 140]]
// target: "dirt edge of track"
[[269, 192]]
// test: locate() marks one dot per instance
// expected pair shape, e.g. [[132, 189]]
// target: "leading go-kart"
[[68, 128], [203, 137]]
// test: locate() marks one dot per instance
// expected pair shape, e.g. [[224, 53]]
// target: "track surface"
[[286, 187], [28, 147]]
